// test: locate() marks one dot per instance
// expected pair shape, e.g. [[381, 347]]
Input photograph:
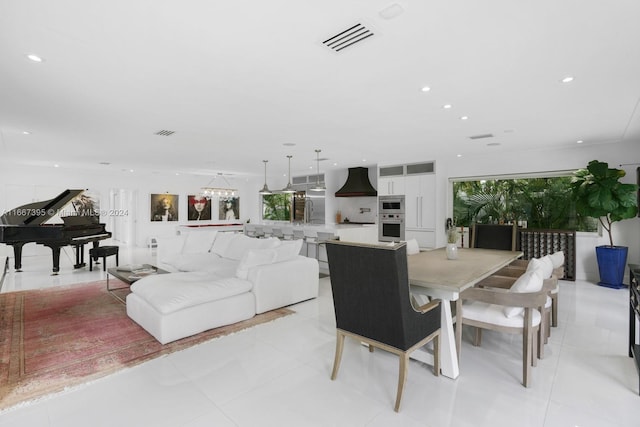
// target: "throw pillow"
[[544, 264], [530, 281], [557, 259], [412, 247]]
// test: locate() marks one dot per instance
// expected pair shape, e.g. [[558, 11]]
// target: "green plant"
[[598, 193]]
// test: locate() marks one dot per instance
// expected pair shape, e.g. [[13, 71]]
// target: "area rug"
[[53, 339]]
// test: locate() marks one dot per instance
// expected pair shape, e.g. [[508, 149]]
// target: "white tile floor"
[[277, 374]]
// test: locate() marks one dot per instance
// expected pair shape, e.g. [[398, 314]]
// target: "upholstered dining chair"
[[372, 304], [513, 310], [494, 236]]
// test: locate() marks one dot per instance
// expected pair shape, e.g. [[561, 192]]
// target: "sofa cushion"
[[241, 244], [168, 293], [198, 242], [221, 243], [530, 281], [254, 258], [287, 250]]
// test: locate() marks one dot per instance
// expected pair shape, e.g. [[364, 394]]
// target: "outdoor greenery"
[[540, 202], [276, 207]]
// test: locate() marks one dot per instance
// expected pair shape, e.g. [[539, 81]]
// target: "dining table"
[[433, 276]]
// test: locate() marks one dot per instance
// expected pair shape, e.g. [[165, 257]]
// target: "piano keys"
[[26, 224]]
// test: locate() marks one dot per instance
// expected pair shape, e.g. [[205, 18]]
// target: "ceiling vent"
[[484, 135], [348, 37], [165, 132]]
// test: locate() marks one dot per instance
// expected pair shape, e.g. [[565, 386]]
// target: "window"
[[534, 202], [277, 207]]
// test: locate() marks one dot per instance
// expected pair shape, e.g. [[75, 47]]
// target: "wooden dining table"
[[432, 275]]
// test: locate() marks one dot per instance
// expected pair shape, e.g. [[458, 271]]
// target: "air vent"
[[165, 132], [485, 135], [348, 37]]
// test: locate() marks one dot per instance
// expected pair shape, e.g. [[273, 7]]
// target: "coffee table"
[[130, 274]]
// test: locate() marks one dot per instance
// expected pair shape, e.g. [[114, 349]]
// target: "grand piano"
[[26, 224]]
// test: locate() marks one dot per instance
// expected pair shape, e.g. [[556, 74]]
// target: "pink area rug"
[[52, 339]]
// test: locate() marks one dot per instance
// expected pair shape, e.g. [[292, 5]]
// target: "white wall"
[[22, 185]]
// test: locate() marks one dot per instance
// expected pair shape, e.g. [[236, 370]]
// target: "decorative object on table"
[[452, 241], [338, 217], [164, 207], [598, 193]]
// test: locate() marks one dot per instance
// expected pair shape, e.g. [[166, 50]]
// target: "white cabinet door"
[[388, 186], [426, 238], [420, 199]]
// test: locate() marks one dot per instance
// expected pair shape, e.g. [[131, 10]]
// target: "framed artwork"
[[229, 208], [199, 208], [164, 207], [87, 204]]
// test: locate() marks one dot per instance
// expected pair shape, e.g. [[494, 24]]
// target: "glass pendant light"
[[265, 189]]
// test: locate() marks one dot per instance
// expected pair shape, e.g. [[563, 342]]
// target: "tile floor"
[[277, 374]]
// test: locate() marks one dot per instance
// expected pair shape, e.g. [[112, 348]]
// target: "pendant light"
[[265, 189], [289, 188], [318, 187]]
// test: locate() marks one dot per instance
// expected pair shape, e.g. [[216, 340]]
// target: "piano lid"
[[39, 212]]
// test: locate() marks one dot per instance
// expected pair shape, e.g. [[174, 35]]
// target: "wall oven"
[[391, 218]]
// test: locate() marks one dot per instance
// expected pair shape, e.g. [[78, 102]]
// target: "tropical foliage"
[[276, 207], [540, 202], [598, 193]]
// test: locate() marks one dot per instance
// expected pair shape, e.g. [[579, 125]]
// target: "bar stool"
[[299, 235], [321, 239]]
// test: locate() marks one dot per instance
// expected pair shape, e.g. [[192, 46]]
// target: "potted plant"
[[452, 242], [598, 193]]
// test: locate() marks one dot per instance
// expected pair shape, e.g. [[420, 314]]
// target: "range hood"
[[357, 185]]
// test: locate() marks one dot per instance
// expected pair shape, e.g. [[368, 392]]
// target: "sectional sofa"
[[219, 278]]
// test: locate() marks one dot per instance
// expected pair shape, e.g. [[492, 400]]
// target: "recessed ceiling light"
[[34, 58], [447, 106], [567, 79], [289, 144], [459, 155], [26, 132], [105, 163], [464, 118], [392, 11], [56, 166], [425, 89], [579, 141], [493, 144]]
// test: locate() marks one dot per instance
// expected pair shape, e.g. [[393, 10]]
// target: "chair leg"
[[536, 345], [436, 355], [336, 362], [554, 310], [478, 337], [402, 378]]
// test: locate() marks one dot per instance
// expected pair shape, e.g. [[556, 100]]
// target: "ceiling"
[[243, 81]]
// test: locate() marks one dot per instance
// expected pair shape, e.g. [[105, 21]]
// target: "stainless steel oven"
[[391, 218]]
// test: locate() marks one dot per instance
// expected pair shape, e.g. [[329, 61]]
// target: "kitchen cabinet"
[[391, 180]]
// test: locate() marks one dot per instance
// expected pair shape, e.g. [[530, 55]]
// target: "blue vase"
[[611, 263]]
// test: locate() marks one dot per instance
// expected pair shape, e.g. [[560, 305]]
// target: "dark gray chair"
[[494, 236], [370, 286]]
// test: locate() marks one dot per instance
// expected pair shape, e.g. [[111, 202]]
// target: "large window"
[[535, 202], [277, 207]]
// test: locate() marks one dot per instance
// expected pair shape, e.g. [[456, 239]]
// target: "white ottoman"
[[177, 305]]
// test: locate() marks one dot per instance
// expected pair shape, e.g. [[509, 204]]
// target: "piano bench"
[[104, 252]]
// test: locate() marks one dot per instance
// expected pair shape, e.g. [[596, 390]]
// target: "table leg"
[[448, 354]]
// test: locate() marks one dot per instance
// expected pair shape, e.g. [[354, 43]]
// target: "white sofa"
[[219, 278]]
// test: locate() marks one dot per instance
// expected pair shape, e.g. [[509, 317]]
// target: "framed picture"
[[164, 207], [199, 208], [229, 208]]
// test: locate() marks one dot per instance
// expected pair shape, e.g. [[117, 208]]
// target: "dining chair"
[[513, 310], [372, 304], [494, 236]]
